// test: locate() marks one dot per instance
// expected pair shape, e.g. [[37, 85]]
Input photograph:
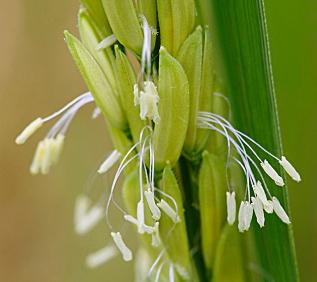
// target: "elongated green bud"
[[96, 82], [96, 12], [212, 203], [206, 90], [125, 24], [177, 241], [173, 108], [148, 9], [126, 81], [90, 38], [190, 57], [177, 21], [228, 264]]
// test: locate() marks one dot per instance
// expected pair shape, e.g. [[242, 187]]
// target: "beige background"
[[38, 76]]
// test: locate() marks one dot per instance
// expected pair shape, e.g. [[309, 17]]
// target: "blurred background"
[[38, 76]]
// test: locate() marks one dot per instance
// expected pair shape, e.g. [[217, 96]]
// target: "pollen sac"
[[28, 131], [212, 186], [127, 82], [258, 210], [90, 39], [125, 24], [177, 240], [280, 211], [126, 253], [97, 82], [231, 207], [177, 21], [173, 109], [190, 57], [290, 169], [148, 102]]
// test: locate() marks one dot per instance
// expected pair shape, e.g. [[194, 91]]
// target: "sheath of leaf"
[[126, 81], [212, 187], [190, 57], [177, 21], [173, 109], [97, 82], [177, 241], [90, 39], [119, 13], [148, 9], [229, 253], [131, 197], [96, 12]]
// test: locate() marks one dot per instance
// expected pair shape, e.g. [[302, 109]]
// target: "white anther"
[[96, 113], [107, 42], [95, 259], [156, 241], [136, 94], [231, 207], [165, 207], [151, 202], [130, 218], [148, 102], [29, 130], [280, 211], [258, 210], [89, 220], [140, 217], [47, 152], [37, 159], [290, 169], [259, 191], [109, 162], [127, 254], [241, 216], [81, 206], [248, 213], [272, 173], [58, 147]]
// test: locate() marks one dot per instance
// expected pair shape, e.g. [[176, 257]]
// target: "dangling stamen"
[[127, 254], [29, 130], [258, 189], [156, 241], [258, 210], [290, 169], [109, 162], [241, 216], [48, 151], [96, 113], [95, 259], [156, 213], [248, 213], [130, 218], [231, 207], [280, 211], [272, 173], [164, 206]]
